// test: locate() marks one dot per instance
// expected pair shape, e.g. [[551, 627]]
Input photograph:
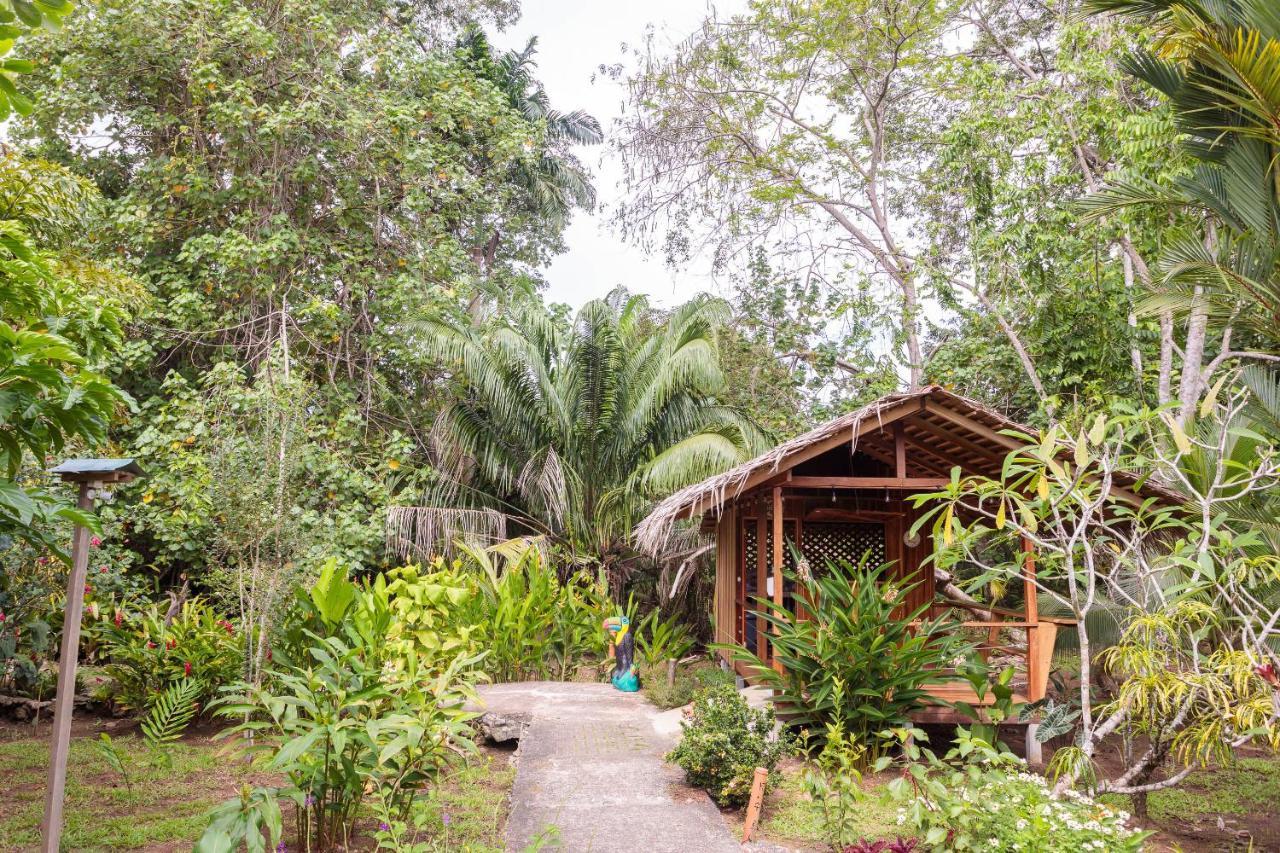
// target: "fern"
[[171, 712], [110, 753]]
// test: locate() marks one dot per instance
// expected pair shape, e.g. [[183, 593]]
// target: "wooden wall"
[[726, 576]]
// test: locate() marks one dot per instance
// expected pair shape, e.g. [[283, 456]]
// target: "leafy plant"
[[659, 640], [581, 425], [357, 718], [857, 656], [106, 747], [978, 797], [241, 822], [170, 714], [532, 624], [724, 740], [834, 782], [145, 656]]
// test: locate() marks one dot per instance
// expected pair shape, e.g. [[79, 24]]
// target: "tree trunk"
[[1193, 357]]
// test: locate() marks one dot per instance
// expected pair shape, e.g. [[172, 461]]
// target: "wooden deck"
[[955, 691]]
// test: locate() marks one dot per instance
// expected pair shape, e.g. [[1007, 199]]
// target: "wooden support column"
[[777, 553], [899, 450], [762, 575]]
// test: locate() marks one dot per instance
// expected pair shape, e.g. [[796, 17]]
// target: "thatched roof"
[[944, 429]]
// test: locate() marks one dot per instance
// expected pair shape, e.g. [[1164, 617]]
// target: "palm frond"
[[171, 712]]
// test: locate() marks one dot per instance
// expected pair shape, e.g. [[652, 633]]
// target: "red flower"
[[150, 644], [1267, 673], [119, 618], [268, 654], [186, 668], [87, 589], [171, 643], [2, 616], [95, 542], [102, 570]]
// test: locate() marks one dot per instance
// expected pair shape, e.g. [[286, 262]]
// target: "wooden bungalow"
[[841, 490]]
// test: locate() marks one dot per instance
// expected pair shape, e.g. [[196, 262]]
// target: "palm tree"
[[1218, 63], [571, 430], [555, 182]]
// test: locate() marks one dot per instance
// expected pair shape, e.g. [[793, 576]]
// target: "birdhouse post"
[[92, 476]]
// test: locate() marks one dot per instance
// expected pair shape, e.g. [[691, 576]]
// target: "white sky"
[[575, 38]]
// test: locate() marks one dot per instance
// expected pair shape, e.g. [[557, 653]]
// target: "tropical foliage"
[[1195, 658], [292, 255], [857, 655], [977, 797], [571, 430], [724, 741]]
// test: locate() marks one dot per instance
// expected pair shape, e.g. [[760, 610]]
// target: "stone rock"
[[501, 728]]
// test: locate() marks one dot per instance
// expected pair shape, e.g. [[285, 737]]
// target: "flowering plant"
[[724, 740], [145, 655], [981, 798]]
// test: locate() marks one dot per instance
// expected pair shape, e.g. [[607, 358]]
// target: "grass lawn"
[[160, 806], [790, 818], [163, 808], [1222, 808]]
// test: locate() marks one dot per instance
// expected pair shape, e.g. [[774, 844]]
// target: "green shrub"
[[660, 640], [855, 657], [724, 741], [979, 797], [531, 624], [359, 717], [834, 783], [145, 656], [689, 681]]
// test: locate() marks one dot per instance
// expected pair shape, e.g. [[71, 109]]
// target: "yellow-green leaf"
[[1082, 451], [1099, 429], [1211, 399], [1179, 436]]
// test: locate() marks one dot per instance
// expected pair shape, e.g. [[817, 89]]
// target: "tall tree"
[[792, 127], [1028, 121], [294, 176], [555, 183], [571, 431], [60, 315], [1218, 65]]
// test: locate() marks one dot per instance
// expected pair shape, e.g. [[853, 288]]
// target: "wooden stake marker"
[[758, 782]]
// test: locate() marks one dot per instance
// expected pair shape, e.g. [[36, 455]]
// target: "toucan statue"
[[623, 642]]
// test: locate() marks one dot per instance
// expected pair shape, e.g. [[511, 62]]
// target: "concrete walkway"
[[590, 765]]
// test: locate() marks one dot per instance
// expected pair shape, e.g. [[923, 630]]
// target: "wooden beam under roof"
[[869, 424], [994, 455], [867, 482], [948, 458]]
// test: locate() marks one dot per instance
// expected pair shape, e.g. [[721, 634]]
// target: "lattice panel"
[[749, 552], [826, 542]]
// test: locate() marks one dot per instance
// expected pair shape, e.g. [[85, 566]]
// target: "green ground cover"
[[164, 806]]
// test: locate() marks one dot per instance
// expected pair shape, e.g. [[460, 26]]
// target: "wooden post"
[[899, 450], [762, 572], [777, 554], [64, 704], [754, 805]]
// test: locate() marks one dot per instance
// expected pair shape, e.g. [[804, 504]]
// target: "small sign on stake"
[[92, 476]]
